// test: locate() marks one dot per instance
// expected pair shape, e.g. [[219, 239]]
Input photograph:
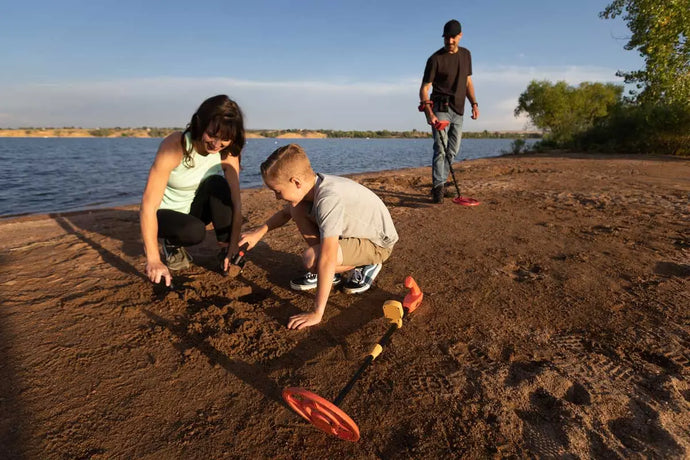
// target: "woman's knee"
[[216, 186], [192, 232]]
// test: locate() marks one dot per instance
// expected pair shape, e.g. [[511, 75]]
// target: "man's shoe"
[[176, 258], [309, 280], [362, 278], [437, 194]]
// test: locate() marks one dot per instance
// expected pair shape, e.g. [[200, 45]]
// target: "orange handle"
[[414, 297], [440, 125]]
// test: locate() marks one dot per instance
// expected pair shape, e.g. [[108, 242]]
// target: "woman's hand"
[[157, 271]]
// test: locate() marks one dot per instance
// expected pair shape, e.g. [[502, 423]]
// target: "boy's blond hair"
[[286, 162]]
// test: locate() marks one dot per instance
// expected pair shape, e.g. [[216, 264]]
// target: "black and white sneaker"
[[176, 258], [309, 280], [361, 278]]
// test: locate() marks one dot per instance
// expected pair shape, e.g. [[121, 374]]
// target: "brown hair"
[[220, 117], [285, 162]]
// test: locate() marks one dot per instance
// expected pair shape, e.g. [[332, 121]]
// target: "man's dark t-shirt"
[[448, 75]]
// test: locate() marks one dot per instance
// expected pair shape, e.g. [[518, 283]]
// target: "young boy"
[[347, 227]]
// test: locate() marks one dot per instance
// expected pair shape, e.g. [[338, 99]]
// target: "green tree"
[[660, 31], [562, 111], [100, 132]]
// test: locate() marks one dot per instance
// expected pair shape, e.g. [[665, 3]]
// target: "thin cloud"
[[285, 104], [520, 75]]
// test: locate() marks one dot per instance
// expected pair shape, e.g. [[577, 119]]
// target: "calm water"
[[62, 174]]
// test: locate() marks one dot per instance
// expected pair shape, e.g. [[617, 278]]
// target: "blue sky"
[[289, 64]]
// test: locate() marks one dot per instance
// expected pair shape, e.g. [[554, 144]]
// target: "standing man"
[[449, 71]]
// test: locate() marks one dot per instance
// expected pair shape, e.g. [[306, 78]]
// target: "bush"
[[563, 111], [663, 129], [101, 132], [517, 147]]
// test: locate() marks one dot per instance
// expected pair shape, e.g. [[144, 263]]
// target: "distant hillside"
[[86, 132], [262, 133]]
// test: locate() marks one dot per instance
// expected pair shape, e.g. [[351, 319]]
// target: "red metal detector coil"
[[321, 413], [466, 201]]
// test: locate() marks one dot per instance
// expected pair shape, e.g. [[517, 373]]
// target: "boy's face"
[[288, 190]]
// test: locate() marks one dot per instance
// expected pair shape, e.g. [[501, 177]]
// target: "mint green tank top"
[[183, 181]]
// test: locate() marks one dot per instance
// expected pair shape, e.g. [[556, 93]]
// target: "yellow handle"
[[376, 351]]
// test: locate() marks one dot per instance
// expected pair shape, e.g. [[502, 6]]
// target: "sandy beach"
[[555, 323]]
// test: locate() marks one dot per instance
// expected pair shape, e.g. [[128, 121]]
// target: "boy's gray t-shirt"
[[346, 209]]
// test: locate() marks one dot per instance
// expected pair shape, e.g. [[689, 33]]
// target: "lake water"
[[65, 174]]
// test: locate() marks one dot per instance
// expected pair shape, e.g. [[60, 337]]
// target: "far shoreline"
[[157, 133]]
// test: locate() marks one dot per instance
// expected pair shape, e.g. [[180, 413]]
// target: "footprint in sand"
[[524, 272]]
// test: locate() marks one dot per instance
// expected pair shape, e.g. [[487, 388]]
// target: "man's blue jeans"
[[446, 146]]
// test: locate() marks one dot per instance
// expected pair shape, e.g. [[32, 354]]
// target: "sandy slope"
[[556, 322]]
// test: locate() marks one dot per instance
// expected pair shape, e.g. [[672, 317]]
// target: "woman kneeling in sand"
[[194, 180]]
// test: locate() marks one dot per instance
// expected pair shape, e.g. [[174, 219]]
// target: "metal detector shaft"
[[367, 362], [450, 165], [395, 312]]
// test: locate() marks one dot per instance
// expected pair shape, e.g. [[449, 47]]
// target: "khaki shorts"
[[360, 251]]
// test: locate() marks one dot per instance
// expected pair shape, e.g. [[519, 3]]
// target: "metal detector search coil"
[[326, 415]]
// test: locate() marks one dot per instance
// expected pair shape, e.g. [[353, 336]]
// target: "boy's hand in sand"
[[304, 320], [252, 237], [157, 271]]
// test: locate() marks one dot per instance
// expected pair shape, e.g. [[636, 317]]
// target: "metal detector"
[[441, 126], [326, 415]]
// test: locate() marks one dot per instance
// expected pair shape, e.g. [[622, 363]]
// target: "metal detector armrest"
[[393, 310]]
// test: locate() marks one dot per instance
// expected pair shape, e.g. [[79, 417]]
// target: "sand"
[[555, 323]]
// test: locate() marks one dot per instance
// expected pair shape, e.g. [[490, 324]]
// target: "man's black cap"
[[452, 28]]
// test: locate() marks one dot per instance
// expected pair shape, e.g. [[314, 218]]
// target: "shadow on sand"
[[333, 332], [12, 418]]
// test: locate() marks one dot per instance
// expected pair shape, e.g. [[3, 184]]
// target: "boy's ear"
[[297, 181]]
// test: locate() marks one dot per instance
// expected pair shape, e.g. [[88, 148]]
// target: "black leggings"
[[212, 203]]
